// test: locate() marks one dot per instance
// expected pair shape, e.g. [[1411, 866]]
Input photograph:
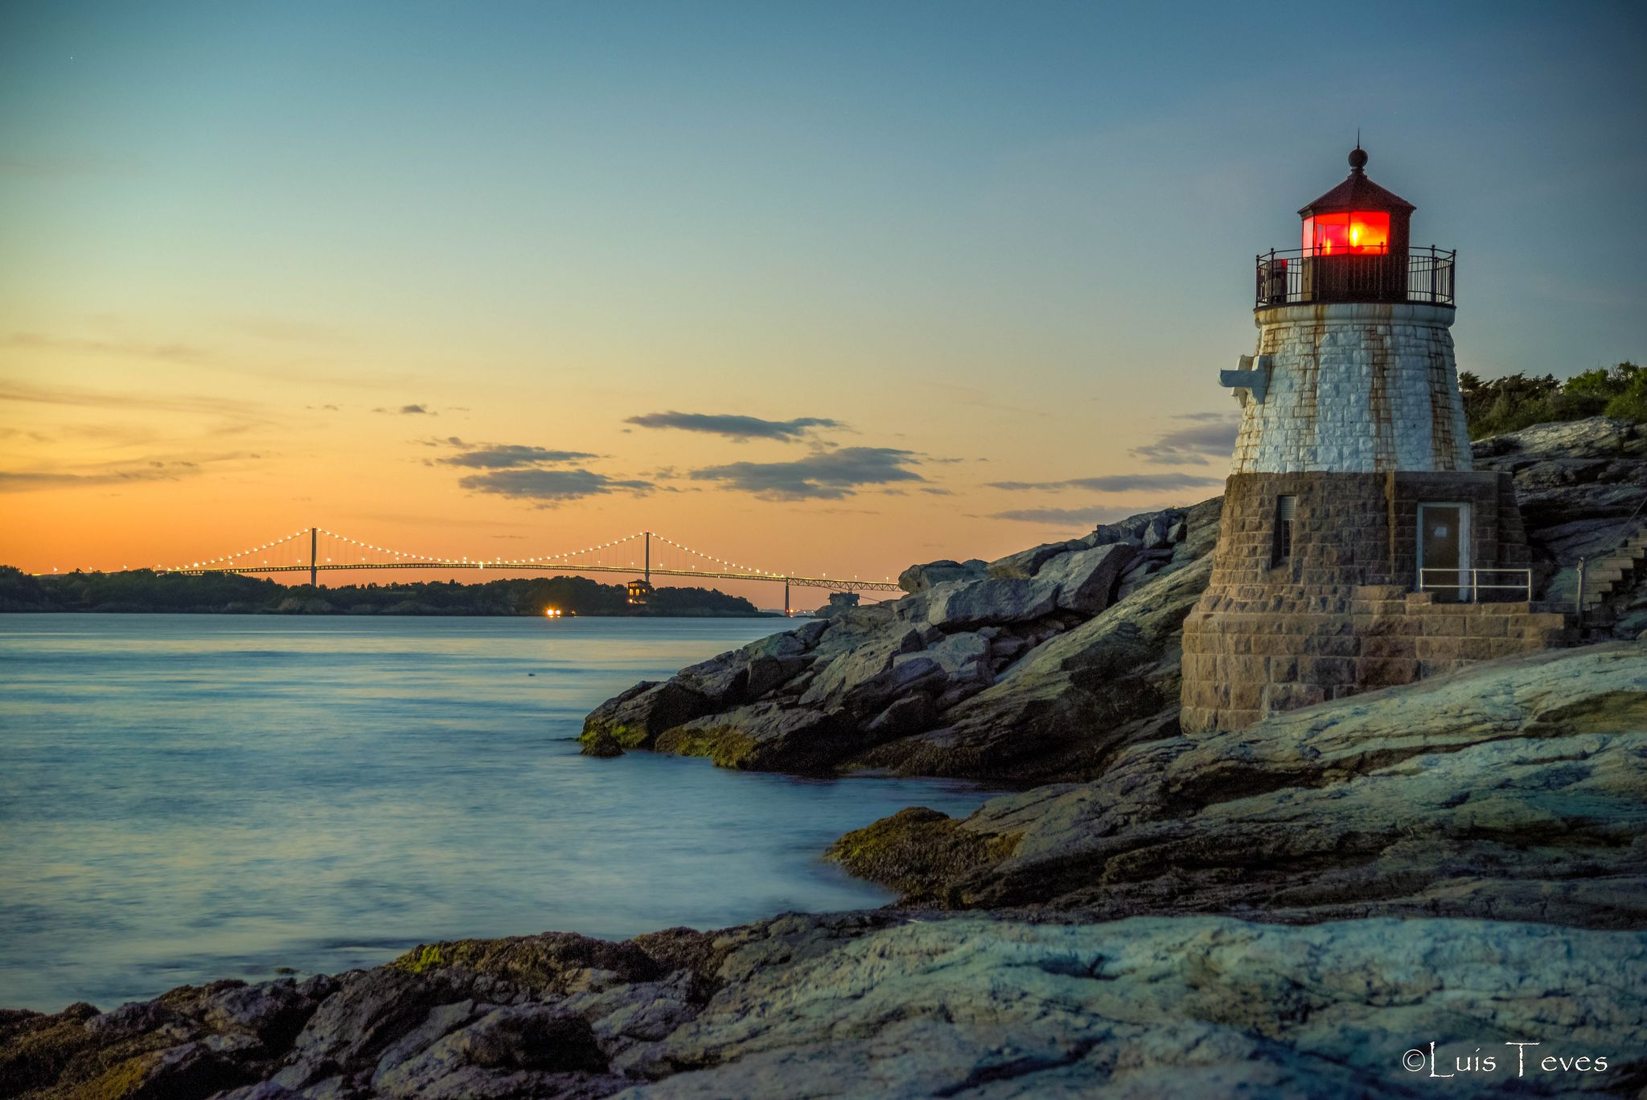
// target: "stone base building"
[[1340, 614]]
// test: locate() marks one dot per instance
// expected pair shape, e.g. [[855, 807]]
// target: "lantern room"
[[1355, 248], [1357, 218]]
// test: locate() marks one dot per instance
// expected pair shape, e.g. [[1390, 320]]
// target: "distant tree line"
[[1498, 405], [143, 590]]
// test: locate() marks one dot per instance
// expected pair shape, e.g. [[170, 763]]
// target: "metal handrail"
[[1474, 586], [1623, 529], [1302, 275]]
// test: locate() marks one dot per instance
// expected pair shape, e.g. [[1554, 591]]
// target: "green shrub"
[[1497, 405]]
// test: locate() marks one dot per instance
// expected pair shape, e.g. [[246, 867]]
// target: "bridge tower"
[[1352, 515], [639, 592], [314, 545]]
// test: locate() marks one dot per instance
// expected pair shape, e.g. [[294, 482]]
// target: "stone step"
[[1603, 577]]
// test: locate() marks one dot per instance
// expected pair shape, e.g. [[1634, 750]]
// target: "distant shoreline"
[[143, 591], [417, 615], [344, 614]]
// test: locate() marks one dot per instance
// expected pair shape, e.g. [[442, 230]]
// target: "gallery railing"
[[1301, 276]]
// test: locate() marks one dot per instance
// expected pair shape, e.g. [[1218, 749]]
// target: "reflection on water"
[[192, 797]]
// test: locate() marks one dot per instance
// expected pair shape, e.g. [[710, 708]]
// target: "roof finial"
[[1358, 155]]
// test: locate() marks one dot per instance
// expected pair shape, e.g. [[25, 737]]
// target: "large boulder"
[[1580, 471], [1086, 577], [991, 602], [1026, 563], [370, 1011], [919, 578], [863, 670], [634, 719], [191, 1042], [766, 736], [1064, 707], [508, 1052]]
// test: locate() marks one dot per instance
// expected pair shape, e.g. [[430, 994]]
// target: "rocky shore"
[[1043, 665], [1301, 908], [889, 1004]]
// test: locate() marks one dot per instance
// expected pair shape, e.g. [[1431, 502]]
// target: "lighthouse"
[[1357, 548]]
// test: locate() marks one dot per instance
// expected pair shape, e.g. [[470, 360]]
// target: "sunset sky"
[[823, 288]]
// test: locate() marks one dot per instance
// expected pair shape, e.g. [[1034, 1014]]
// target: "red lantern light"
[[1353, 232]]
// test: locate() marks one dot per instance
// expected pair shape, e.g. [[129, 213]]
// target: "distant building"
[[839, 602], [639, 593], [1357, 547]]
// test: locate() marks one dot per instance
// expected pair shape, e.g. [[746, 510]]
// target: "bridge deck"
[[836, 584]]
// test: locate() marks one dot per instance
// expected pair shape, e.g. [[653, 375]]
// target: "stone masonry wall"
[[1245, 659], [1356, 529], [1358, 387], [1337, 617]]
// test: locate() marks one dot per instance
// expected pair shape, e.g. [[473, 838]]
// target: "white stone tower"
[[1354, 370]]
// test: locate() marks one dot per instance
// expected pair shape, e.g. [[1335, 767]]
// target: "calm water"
[[193, 797]]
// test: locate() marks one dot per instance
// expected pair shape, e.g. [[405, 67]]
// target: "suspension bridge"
[[316, 550]]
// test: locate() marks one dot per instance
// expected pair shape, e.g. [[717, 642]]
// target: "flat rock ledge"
[[883, 1005], [1515, 789]]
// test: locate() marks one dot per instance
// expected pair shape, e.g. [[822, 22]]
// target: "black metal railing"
[[1303, 275]]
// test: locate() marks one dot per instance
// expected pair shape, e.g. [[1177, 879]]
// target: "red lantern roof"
[[1357, 193]]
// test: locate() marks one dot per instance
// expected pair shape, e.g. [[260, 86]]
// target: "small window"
[[1284, 508]]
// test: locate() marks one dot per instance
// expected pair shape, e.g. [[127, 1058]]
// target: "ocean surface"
[[189, 797]]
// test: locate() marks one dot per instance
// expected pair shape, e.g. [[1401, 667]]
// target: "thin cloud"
[[1114, 483], [191, 355], [1207, 436], [828, 475], [738, 428], [408, 410], [548, 487], [23, 392], [167, 352], [121, 473], [21, 480], [503, 456], [20, 433], [1063, 517]]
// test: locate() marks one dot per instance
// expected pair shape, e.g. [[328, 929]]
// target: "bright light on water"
[[193, 797]]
